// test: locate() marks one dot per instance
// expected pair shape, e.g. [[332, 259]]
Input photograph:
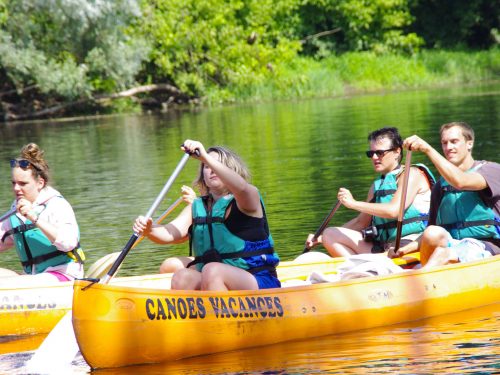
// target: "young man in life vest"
[[43, 229], [465, 205], [374, 229]]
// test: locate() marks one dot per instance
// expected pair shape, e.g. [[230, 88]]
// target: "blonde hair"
[[35, 155], [227, 157]]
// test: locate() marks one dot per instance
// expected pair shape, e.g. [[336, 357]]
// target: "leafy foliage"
[[197, 44], [376, 25], [70, 47], [458, 23], [225, 50]]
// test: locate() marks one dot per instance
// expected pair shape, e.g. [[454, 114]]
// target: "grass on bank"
[[359, 72]]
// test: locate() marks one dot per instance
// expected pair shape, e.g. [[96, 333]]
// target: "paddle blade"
[[52, 356], [119, 259], [102, 266]]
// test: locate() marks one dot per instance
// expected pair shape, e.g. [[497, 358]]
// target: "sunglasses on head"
[[22, 163], [379, 153]]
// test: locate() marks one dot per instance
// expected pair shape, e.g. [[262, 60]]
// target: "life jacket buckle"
[[211, 255]]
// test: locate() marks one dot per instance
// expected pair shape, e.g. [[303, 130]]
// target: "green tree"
[[457, 23], [70, 48], [199, 44], [358, 25]]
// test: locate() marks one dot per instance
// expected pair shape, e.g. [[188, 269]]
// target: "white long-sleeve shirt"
[[57, 211]]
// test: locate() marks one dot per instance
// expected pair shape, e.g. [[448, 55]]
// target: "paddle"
[[60, 347], [7, 215], [323, 225], [401, 213], [148, 215], [103, 265]]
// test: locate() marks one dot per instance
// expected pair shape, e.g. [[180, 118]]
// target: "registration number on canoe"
[[218, 307]]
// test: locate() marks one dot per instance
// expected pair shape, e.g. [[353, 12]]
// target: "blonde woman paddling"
[[227, 228]]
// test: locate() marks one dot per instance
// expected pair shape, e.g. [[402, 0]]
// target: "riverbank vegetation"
[[60, 58]]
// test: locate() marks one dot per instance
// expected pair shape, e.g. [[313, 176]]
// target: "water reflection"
[[466, 342]]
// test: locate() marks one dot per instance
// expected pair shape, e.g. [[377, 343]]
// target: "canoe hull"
[[30, 308], [119, 326], [33, 309]]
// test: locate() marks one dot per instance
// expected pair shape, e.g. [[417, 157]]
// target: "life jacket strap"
[[467, 224], [75, 254], [394, 224], [19, 229], [384, 192], [214, 256], [41, 258], [207, 220]]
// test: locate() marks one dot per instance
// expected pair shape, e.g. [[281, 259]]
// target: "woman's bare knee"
[[170, 265], [441, 256], [186, 279], [435, 236]]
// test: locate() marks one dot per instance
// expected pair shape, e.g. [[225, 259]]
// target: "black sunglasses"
[[23, 163], [379, 153]]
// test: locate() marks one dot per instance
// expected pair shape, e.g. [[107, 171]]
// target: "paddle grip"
[[196, 152]]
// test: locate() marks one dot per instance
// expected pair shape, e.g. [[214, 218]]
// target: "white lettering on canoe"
[[18, 303]]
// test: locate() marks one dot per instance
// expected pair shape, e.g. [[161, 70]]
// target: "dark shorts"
[[491, 247], [266, 281]]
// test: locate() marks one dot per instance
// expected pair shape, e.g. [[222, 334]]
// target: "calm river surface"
[[300, 153]]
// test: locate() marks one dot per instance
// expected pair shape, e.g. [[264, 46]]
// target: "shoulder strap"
[[19, 229]]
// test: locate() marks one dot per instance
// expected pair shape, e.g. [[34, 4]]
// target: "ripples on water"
[[300, 153], [465, 343]]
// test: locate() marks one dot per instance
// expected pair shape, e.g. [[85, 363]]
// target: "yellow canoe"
[[123, 325], [33, 308]]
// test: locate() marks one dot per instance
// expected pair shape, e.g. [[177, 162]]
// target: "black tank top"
[[246, 227]]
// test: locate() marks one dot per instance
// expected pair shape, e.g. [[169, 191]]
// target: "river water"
[[111, 170]]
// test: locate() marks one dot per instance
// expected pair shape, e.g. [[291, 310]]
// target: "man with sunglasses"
[[374, 229], [464, 218], [43, 228]]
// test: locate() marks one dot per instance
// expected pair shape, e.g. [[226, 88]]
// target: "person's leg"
[[221, 276], [465, 250], [186, 279], [170, 265], [432, 238], [441, 256], [343, 242]]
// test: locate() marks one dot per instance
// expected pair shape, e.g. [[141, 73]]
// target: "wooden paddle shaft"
[[323, 225], [406, 177]]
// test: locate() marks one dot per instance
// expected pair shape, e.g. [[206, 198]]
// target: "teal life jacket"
[[35, 250], [212, 241], [464, 214], [414, 221]]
